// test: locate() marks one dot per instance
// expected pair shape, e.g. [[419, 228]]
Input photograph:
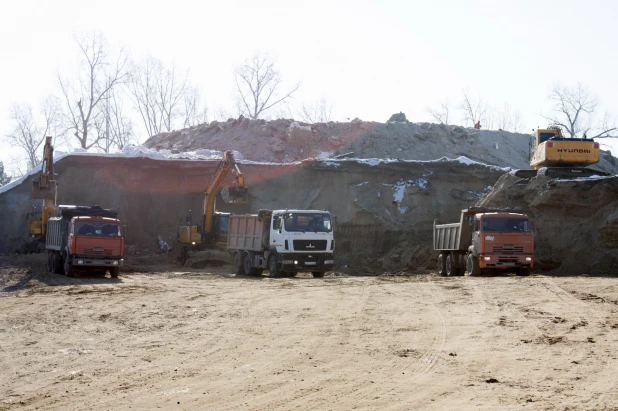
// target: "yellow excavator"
[[211, 234], [562, 157], [43, 188]]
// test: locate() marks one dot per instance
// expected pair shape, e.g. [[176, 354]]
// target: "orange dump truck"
[[485, 240], [84, 238]]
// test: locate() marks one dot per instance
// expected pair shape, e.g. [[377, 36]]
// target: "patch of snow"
[[295, 124], [360, 184]]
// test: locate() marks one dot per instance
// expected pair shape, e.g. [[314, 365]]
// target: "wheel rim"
[[469, 265], [449, 265], [440, 263], [272, 265]]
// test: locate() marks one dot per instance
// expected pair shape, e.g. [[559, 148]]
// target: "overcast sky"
[[369, 59]]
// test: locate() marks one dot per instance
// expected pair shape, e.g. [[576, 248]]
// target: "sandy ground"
[[163, 338]]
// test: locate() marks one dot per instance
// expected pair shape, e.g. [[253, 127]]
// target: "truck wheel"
[[69, 270], [238, 263], [472, 266], [57, 267], [318, 274], [248, 265], [114, 272], [522, 271], [449, 266], [273, 267], [441, 265]]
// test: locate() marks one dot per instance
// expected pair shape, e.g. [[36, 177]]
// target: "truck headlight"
[[528, 258], [193, 243], [295, 262], [115, 263], [80, 261], [329, 261], [487, 258]]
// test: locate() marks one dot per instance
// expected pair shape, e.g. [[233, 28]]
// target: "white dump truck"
[[284, 242]]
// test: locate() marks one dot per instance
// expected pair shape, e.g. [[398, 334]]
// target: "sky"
[[368, 59]]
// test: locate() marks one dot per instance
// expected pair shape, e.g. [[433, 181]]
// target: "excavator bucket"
[[45, 191], [235, 195]]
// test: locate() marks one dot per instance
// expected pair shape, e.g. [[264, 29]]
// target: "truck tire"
[[273, 267], [238, 263], [114, 272], [523, 272], [318, 274], [57, 267], [441, 265], [449, 266], [69, 270], [472, 266], [50, 266], [248, 265]]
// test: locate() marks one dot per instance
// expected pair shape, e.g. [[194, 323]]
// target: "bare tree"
[[29, 132], [574, 108], [320, 112], [474, 110], [507, 119], [158, 94], [194, 112], [4, 177], [441, 113], [258, 85], [114, 127], [82, 97]]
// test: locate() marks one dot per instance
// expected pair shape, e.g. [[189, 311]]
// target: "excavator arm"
[[44, 188], [235, 194]]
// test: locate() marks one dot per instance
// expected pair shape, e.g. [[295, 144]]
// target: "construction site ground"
[[161, 336]]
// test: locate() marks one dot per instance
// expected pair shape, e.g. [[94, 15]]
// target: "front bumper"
[[96, 262], [506, 261], [297, 262]]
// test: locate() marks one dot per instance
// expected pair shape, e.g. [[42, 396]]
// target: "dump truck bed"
[[245, 233]]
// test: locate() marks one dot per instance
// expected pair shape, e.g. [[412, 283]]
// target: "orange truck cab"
[[485, 240], [85, 238]]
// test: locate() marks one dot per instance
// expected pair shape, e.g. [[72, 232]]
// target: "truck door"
[[476, 236]]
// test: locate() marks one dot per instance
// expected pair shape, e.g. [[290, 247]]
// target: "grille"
[[309, 245], [92, 252], [509, 249]]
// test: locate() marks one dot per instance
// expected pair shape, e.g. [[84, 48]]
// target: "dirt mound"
[[288, 140], [575, 222]]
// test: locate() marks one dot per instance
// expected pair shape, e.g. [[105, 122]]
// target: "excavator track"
[[562, 172]]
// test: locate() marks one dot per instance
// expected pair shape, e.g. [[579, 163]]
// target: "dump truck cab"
[[502, 240]]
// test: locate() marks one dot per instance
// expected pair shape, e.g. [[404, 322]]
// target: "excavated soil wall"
[[575, 222], [384, 211]]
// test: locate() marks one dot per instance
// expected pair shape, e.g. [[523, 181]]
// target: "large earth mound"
[[288, 140]]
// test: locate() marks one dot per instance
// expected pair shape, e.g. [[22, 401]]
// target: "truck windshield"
[[506, 225], [97, 228], [315, 222]]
